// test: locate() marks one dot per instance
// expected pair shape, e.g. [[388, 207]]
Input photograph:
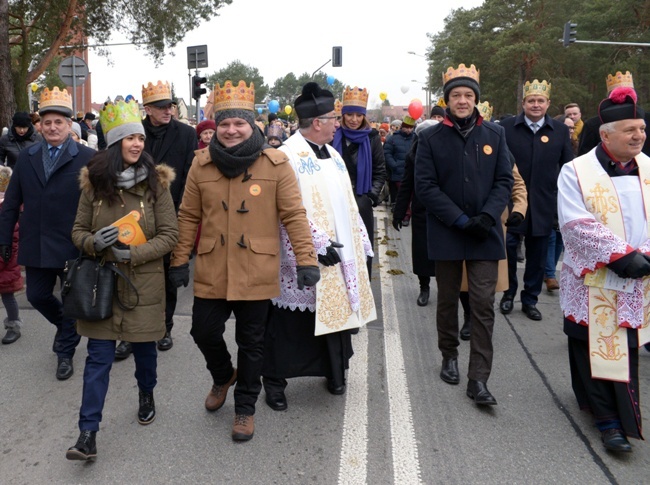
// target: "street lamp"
[[427, 89]]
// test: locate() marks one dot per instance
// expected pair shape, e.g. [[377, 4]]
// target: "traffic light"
[[337, 56], [197, 86], [569, 35]]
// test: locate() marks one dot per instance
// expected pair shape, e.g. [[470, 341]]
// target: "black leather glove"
[[374, 198], [6, 252], [332, 256], [397, 224], [479, 226], [514, 219], [179, 275], [307, 276], [105, 237], [634, 265]]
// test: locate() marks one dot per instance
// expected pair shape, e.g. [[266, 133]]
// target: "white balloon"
[[404, 89]]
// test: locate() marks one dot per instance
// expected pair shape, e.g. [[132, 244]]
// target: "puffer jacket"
[[146, 323], [10, 147], [395, 150]]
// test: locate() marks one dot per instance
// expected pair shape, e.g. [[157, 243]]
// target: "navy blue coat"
[[49, 207], [539, 158], [395, 149], [456, 176]]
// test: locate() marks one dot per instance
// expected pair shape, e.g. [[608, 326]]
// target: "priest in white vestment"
[[604, 209], [309, 332]]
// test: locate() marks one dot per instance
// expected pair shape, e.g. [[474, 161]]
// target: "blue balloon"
[[274, 106], [259, 110], [129, 98], [330, 79]]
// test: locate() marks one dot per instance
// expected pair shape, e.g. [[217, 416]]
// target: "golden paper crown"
[[113, 115], [5, 176], [619, 80], [537, 88], [156, 92], [485, 110], [55, 99], [355, 97], [462, 71], [338, 107], [234, 97]]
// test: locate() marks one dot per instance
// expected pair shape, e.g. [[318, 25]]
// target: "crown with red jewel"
[[234, 97], [462, 71], [619, 80]]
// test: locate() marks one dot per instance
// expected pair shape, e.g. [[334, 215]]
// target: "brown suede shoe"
[[551, 284], [243, 428], [217, 395]]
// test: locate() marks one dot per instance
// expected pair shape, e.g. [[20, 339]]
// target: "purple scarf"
[[364, 156]]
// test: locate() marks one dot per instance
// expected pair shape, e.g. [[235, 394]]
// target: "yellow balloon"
[[34, 87], [288, 109], [383, 95]]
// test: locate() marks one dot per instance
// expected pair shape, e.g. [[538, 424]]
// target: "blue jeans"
[[101, 354], [555, 248]]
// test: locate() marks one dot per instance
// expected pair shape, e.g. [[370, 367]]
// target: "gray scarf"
[[129, 178]]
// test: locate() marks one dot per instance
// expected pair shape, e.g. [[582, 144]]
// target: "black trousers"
[[536, 248], [40, 294], [364, 203], [482, 280], [209, 318]]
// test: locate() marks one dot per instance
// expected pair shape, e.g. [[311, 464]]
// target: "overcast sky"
[[296, 36]]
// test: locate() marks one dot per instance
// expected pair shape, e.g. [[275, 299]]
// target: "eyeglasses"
[[168, 107], [337, 118]]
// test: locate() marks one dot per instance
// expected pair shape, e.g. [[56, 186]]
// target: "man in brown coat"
[[239, 192]]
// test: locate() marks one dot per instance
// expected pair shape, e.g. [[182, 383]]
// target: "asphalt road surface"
[[398, 423]]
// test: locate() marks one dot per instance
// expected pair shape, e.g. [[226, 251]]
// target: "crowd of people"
[[279, 222]]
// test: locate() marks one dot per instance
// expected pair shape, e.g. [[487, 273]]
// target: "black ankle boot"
[[466, 331], [147, 410], [85, 448]]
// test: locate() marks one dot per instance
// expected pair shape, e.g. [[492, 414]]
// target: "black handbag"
[[88, 288]]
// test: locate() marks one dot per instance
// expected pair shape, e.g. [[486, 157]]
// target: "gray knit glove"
[[122, 253]]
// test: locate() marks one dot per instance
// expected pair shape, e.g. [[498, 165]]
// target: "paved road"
[[397, 424]]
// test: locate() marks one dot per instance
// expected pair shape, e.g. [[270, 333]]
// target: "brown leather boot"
[[217, 395], [243, 428], [551, 284]]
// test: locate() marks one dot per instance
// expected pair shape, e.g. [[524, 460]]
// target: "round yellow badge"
[[487, 149], [544, 139], [255, 190]]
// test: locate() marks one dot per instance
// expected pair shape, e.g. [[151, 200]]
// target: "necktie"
[[534, 127], [53, 152]]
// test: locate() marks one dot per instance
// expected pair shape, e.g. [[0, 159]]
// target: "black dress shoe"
[[123, 350], [507, 304], [337, 390], [423, 297], [478, 391], [531, 312], [277, 401], [64, 369], [615, 440], [85, 448], [147, 409], [466, 331], [406, 222], [166, 342], [449, 371]]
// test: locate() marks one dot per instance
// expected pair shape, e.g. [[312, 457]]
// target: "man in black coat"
[[540, 145], [464, 179], [173, 143], [45, 183]]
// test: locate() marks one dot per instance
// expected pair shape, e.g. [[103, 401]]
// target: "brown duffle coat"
[[238, 254], [146, 323]]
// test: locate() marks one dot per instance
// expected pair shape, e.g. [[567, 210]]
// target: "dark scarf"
[[234, 161], [364, 156], [464, 125], [26, 137], [155, 136]]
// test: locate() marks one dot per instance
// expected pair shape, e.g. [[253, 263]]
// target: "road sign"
[[73, 71], [197, 56]]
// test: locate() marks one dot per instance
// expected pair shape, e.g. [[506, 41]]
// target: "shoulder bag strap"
[[119, 274]]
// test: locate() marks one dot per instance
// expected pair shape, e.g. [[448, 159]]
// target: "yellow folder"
[[130, 232]]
